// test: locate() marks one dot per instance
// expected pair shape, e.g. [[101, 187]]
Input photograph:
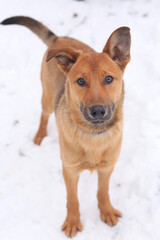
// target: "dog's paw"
[[37, 140], [71, 228], [111, 217], [39, 137]]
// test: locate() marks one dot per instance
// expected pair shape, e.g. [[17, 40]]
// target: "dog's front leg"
[[72, 223], [108, 214]]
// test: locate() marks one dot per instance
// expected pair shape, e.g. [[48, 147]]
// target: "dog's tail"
[[47, 36]]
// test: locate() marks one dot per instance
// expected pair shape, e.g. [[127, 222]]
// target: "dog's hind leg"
[[53, 81], [47, 109], [42, 130]]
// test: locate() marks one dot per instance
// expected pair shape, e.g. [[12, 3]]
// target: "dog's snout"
[[97, 111]]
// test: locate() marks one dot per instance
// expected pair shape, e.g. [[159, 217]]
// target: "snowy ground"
[[32, 191]]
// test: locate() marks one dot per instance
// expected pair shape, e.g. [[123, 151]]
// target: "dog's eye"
[[108, 79], [81, 82]]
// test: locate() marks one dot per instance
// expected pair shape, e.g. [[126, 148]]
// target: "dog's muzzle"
[[97, 114]]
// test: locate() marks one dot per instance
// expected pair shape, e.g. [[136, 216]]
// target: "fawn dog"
[[85, 89]]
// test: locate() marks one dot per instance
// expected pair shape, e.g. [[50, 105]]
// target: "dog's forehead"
[[96, 63]]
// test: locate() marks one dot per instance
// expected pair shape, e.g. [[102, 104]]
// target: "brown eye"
[[108, 79], [81, 82]]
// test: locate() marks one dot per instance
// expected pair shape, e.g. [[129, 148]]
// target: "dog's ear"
[[66, 57], [118, 46]]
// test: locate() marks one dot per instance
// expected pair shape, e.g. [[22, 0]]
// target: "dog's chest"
[[94, 153], [100, 151], [92, 160], [89, 151]]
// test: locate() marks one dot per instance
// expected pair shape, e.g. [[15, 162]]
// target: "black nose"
[[97, 111]]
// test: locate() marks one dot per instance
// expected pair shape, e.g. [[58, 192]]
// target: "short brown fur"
[[84, 145]]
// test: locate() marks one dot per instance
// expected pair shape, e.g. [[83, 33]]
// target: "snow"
[[32, 190]]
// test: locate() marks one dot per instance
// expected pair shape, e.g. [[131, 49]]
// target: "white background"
[[32, 191]]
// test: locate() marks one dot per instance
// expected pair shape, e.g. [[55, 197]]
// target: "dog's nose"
[[97, 111]]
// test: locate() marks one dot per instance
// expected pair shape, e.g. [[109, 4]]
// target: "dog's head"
[[94, 87]]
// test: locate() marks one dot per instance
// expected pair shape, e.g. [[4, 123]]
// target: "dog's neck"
[[92, 133]]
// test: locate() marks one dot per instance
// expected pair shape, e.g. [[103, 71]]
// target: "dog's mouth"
[[98, 114], [98, 122]]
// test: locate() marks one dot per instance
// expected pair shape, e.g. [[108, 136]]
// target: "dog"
[[85, 89]]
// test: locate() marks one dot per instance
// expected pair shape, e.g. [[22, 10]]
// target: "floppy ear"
[[118, 46], [66, 57]]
